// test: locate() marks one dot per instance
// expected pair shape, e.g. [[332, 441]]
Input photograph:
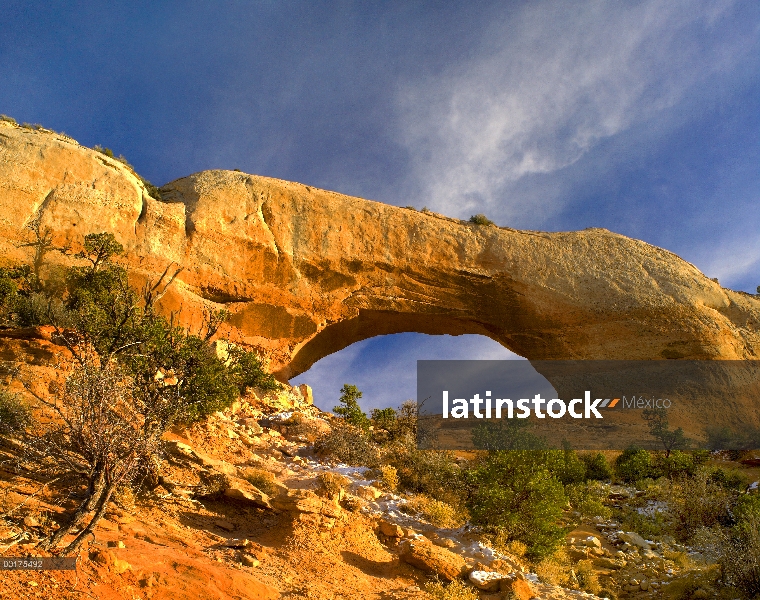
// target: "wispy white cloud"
[[547, 85]]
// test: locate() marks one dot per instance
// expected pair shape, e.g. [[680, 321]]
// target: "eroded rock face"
[[307, 272]]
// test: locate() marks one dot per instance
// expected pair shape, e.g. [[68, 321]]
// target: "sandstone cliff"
[[306, 272]]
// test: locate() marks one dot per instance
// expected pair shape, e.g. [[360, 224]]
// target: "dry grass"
[[436, 512], [456, 590], [555, 569], [389, 477], [262, 480], [331, 484]]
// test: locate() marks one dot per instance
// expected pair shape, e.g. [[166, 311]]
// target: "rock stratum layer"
[[306, 272]]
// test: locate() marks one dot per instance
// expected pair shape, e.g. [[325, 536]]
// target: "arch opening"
[[373, 323], [384, 367]]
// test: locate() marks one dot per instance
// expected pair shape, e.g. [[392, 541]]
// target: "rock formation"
[[306, 272]]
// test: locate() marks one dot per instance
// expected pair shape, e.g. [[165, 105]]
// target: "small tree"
[[351, 411], [657, 421], [99, 248]]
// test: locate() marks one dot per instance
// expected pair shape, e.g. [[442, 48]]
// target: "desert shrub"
[[15, 414], [500, 542], [456, 590], [587, 578], [740, 560], [106, 151], [124, 496], [384, 418], [100, 430], [649, 525], [262, 480], [696, 502], [597, 467], [731, 479], [436, 512], [350, 410], [348, 444], [480, 219], [331, 484], [353, 503], [588, 499], [555, 568], [679, 464], [389, 477], [430, 472], [8, 119], [635, 464], [514, 491]]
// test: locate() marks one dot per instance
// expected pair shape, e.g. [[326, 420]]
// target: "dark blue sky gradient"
[[640, 117]]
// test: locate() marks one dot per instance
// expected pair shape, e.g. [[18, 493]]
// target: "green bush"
[[566, 466], [480, 219], [514, 491], [384, 419], [164, 360], [635, 464], [506, 434], [248, 371], [597, 467], [588, 499], [678, 464]]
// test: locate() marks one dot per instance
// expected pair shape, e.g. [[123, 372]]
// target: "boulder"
[[609, 563], [308, 395], [519, 588], [432, 559], [390, 529], [634, 539], [485, 581], [242, 491], [367, 492], [306, 501], [592, 542]]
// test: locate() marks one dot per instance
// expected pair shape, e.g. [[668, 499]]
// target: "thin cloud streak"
[[548, 85]]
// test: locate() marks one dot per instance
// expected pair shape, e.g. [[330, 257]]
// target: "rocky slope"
[[307, 272], [208, 532]]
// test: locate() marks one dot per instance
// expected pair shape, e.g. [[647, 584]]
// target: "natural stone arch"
[[306, 271]]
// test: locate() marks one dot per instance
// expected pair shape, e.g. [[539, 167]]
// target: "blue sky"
[[641, 117]]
